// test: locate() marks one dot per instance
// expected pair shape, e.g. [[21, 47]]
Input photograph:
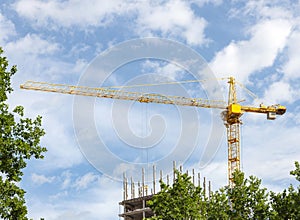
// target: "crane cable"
[[163, 83], [254, 96]]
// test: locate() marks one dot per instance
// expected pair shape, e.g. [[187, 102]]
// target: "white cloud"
[[84, 181], [99, 200], [171, 18], [7, 29], [73, 215], [61, 143], [280, 92], [41, 179], [216, 172], [124, 168], [71, 12], [32, 54], [174, 18], [163, 71], [243, 58], [292, 66], [56, 110], [200, 3], [268, 9], [284, 10], [67, 179], [32, 44], [270, 149]]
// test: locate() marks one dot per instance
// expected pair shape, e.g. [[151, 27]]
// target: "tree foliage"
[[286, 205], [19, 142], [296, 172], [183, 200], [247, 199]]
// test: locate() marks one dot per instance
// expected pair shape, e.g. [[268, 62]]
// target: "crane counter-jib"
[[278, 109]]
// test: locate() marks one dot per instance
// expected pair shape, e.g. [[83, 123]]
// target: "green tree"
[[296, 172], [218, 205], [286, 205], [183, 200], [19, 142], [247, 199]]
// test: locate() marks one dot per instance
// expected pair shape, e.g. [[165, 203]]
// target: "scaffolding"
[[137, 194]]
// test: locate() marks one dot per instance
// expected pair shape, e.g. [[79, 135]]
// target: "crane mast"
[[231, 114], [232, 122]]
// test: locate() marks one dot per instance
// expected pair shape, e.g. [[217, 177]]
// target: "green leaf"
[[19, 142]]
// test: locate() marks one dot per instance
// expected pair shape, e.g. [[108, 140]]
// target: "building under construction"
[[136, 194]]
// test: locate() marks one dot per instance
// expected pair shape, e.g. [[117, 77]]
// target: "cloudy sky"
[[91, 142]]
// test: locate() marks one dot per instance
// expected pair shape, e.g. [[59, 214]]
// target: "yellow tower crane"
[[232, 111]]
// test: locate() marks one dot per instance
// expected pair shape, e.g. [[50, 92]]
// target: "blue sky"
[[57, 41]]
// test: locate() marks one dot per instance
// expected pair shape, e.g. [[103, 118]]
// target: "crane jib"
[[124, 95]]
